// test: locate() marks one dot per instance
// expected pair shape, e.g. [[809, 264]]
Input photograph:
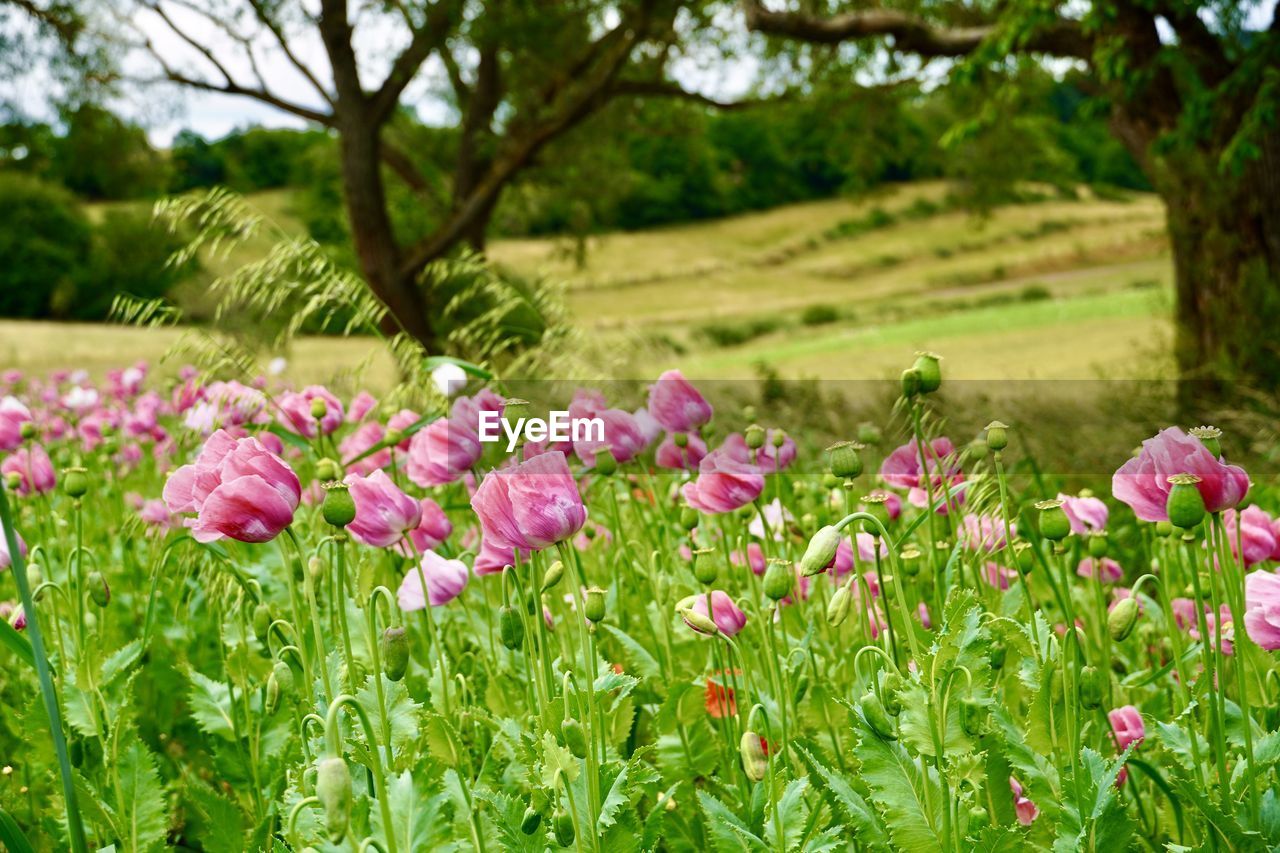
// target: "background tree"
[[1193, 88], [517, 74]]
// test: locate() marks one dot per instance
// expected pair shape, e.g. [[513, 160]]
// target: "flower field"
[[249, 616]]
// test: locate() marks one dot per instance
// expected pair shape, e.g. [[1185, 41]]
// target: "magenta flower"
[[493, 558], [903, 469], [441, 453], [1026, 810], [361, 405], [676, 404], [466, 410], [1143, 482], [724, 484], [6, 559], [384, 514], [1255, 529], [621, 434], [651, 428], [1126, 726], [842, 563], [445, 579], [33, 469], [433, 529], [671, 456], [728, 618], [1262, 609], [997, 575], [237, 488], [361, 441], [13, 414], [1086, 513], [754, 559], [295, 411], [531, 505], [1107, 569], [401, 421], [156, 516], [768, 458], [984, 532]]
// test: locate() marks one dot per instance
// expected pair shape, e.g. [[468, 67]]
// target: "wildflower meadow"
[[251, 616]]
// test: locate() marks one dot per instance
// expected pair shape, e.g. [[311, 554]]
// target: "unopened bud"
[[333, 789], [779, 578], [327, 469], [876, 716], [552, 575], [562, 827], [821, 551], [395, 652], [930, 370], [75, 482], [99, 592], [754, 762], [593, 604], [699, 622], [1122, 618], [27, 430], [606, 464], [688, 517], [838, 608], [261, 622], [910, 383], [705, 569], [1090, 687], [510, 628], [319, 408]]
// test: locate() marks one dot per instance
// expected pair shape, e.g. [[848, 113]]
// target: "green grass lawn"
[[1051, 289]]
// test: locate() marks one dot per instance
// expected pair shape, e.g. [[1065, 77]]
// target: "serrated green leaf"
[[144, 816], [557, 761], [221, 825], [728, 833], [898, 788], [792, 815], [404, 716], [851, 805]]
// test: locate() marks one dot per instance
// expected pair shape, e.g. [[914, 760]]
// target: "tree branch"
[[425, 41], [267, 21], [667, 89], [910, 33]]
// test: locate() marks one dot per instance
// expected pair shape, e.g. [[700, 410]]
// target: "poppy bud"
[[283, 675], [1164, 529], [1209, 436], [99, 592], [868, 433], [977, 818], [333, 789], [395, 652], [273, 694], [778, 580], [562, 825], [552, 576], [821, 551], [593, 604], [754, 762], [1024, 556], [606, 463], [844, 459], [1098, 545], [510, 628], [531, 821], [12, 480], [973, 717], [876, 716], [688, 517], [997, 655], [319, 408], [680, 440], [997, 436], [778, 438], [891, 688], [910, 383], [1122, 618], [754, 436], [930, 371], [1054, 524], [27, 430], [392, 437], [339, 509], [1185, 504], [75, 482], [327, 469], [704, 568], [838, 608], [574, 737], [261, 622], [698, 621], [830, 481], [1090, 687]]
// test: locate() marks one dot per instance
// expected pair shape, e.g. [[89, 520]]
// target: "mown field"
[[840, 288]]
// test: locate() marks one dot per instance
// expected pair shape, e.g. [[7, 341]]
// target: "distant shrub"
[[922, 208], [736, 334], [1144, 284], [44, 240], [819, 315], [1035, 293], [130, 255], [880, 218]]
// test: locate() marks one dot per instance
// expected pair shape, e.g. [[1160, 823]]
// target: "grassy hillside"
[[839, 289]]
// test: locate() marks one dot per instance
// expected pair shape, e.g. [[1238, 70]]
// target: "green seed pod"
[[868, 433], [910, 383], [821, 551], [830, 481], [13, 480], [510, 628], [552, 576], [930, 370], [977, 818], [319, 408], [779, 578], [844, 459], [680, 440], [997, 436], [395, 652], [874, 712], [1209, 436], [1090, 687], [997, 655], [688, 517], [531, 821], [27, 430], [606, 463], [909, 559], [1185, 504], [262, 622], [1054, 524], [562, 825], [1122, 618], [754, 761], [99, 592], [778, 437], [973, 717], [593, 604], [1098, 545], [339, 509], [705, 569], [1024, 556], [333, 788], [838, 608], [1164, 529], [754, 436], [273, 694], [75, 482], [574, 737]]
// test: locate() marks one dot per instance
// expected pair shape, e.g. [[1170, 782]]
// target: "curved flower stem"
[[894, 568], [371, 620], [292, 824], [1028, 595], [334, 739], [47, 690]]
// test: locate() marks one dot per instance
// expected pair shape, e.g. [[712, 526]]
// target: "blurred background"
[[809, 190]]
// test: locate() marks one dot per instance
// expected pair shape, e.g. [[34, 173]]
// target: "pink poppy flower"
[[997, 575], [688, 457], [922, 612], [368, 436], [676, 404], [13, 414], [432, 530], [6, 559], [903, 469], [755, 558], [1086, 513], [156, 516], [1143, 482], [984, 532], [1255, 529], [728, 618], [493, 558], [531, 505], [384, 514], [769, 458], [651, 428], [441, 453], [867, 547], [1126, 726], [361, 405], [295, 411], [842, 563], [724, 484], [621, 434], [466, 410], [33, 469], [1107, 569], [401, 421], [1026, 810], [445, 580], [237, 488], [1262, 609], [586, 403]]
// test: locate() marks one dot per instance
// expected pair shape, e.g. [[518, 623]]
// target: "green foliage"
[[44, 241]]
